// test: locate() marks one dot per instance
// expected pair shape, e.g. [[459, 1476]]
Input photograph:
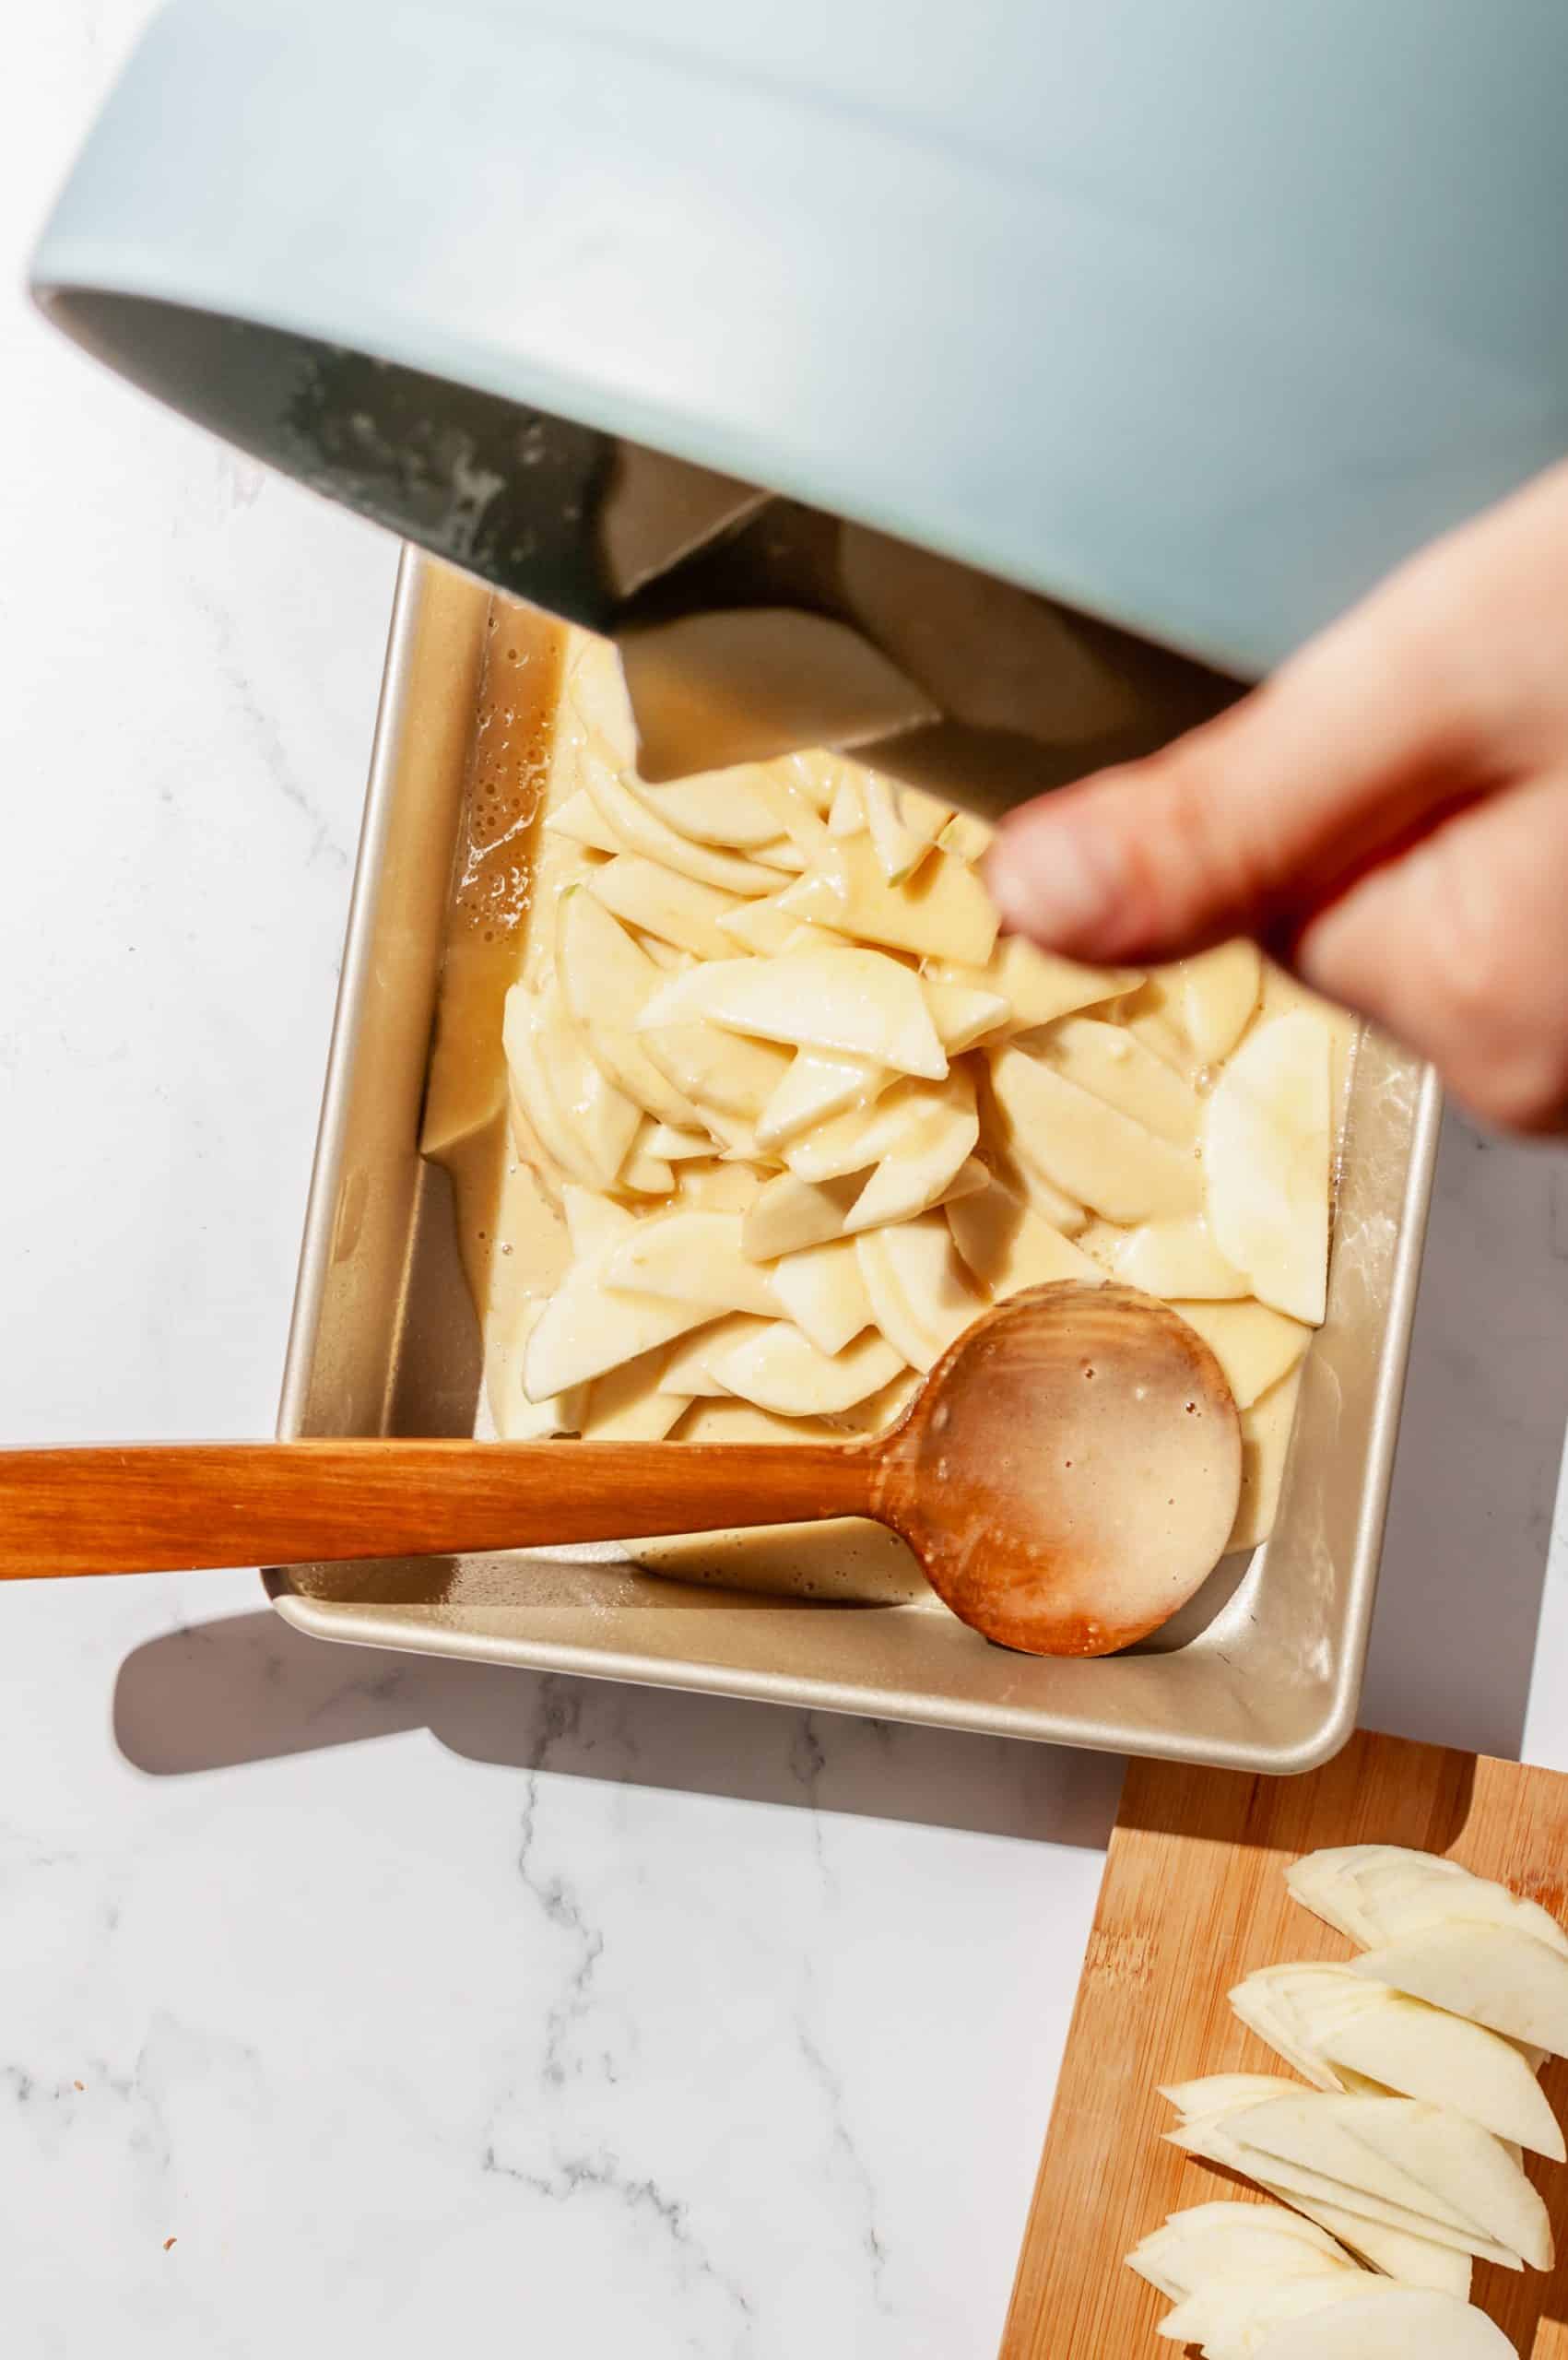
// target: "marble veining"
[[351, 2003]]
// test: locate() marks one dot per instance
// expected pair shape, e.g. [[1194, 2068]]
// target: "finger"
[[1404, 707], [1458, 949], [1229, 828]]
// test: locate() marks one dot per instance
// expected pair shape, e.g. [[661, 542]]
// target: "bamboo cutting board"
[[1194, 1897]]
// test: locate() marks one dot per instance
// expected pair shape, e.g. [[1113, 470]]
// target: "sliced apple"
[[665, 956], [901, 1120], [642, 829], [596, 688], [1398, 2253], [676, 1146], [789, 1215], [815, 774], [1268, 1137], [1217, 993], [1215, 2240], [1090, 1150], [921, 1293], [963, 1016], [1494, 1974], [879, 1409], [769, 1363], [1390, 2323], [545, 1133], [822, 1290], [1403, 2251], [1425, 2052], [1213, 2095], [919, 1171], [714, 1185], [579, 819], [784, 855], [967, 837], [1327, 2197], [765, 929], [606, 981], [730, 809], [516, 1418], [1039, 986], [1423, 2158], [602, 1118], [1179, 1260], [796, 812], [594, 1221], [846, 814], [759, 927], [722, 1419], [1007, 1245], [688, 1369], [1458, 2164], [1053, 1205], [692, 1258], [677, 910], [851, 1002], [818, 1085], [644, 1174], [1377, 1893], [588, 1327], [1325, 2017], [904, 823], [1232, 2322], [622, 1059], [942, 911], [1266, 1428], [1114, 1064], [1254, 1346], [724, 1072], [1205, 2235], [777, 1368], [628, 1404], [579, 1116]]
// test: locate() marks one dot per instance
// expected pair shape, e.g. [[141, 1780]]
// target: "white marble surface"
[[419, 2002]]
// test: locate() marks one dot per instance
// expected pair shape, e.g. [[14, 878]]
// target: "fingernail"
[[1052, 879]]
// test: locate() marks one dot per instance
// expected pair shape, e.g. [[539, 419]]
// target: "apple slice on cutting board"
[[1494, 1974], [1391, 2323], [1323, 2017], [1376, 1893]]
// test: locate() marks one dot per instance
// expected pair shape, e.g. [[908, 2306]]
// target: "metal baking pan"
[[1262, 1673]]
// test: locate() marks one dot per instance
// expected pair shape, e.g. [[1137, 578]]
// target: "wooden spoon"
[[1067, 1475]]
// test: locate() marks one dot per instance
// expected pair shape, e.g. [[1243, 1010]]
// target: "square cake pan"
[[1263, 1671]]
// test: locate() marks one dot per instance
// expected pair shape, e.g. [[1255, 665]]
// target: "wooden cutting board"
[[1195, 1897]]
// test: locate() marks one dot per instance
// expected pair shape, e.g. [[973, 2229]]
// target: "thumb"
[[1256, 817]]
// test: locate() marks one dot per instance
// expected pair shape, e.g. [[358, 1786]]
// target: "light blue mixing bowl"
[[1193, 314]]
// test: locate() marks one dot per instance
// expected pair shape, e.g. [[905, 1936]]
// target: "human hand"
[[1388, 814]]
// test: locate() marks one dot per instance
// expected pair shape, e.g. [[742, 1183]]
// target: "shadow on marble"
[[248, 1688], [1481, 1447]]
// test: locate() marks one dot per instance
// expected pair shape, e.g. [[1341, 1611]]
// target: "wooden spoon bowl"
[[1067, 1475]]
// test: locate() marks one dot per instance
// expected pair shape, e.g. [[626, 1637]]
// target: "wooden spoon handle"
[[160, 1508]]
